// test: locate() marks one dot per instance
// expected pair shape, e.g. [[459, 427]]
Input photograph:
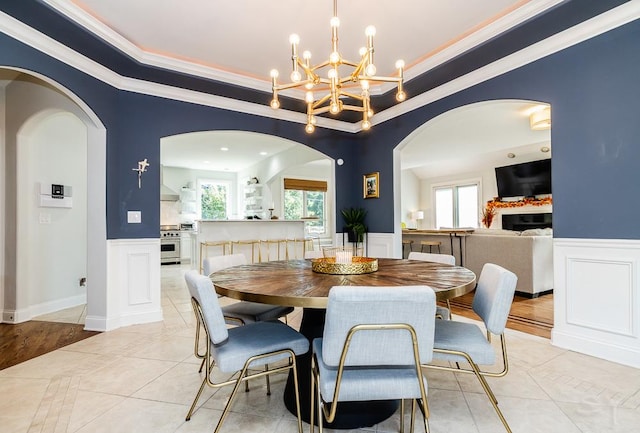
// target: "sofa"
[[528, 254]]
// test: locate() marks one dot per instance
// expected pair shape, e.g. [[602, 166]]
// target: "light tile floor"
[[143, 378]]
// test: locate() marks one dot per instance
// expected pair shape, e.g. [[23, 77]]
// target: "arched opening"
[[46, 128], [234, 159], [459, 151]]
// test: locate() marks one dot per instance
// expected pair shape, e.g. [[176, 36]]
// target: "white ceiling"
[[240, 41]]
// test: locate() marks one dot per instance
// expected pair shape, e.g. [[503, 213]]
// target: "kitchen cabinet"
[[185, 246]]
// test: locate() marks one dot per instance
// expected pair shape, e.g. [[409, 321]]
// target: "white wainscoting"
[[597, 298], [379, 245], [133, 286]]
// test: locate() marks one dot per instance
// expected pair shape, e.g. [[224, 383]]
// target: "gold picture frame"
[[371, 185]]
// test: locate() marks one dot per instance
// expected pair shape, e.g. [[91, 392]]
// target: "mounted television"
[[527, 179]]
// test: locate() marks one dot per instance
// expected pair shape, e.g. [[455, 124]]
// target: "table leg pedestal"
[[350, 415]]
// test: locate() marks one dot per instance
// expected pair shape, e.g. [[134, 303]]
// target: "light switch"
[[45, 218], [134, 217]]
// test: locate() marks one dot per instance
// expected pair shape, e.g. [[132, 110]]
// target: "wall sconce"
[[540, 119], [142, 167], [417, 216]]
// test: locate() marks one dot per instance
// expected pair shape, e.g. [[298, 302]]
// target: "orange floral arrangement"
[[496, 203], [487, 215]]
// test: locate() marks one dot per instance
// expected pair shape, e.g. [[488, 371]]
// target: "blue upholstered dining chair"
[[465, 343], [374, 340], [447, 259], [243, 312], [234, 350]]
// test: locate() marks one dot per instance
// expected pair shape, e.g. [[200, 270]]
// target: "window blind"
[[305, 185]]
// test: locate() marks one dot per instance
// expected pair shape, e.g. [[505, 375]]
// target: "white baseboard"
[[597, 298], [16, 316], [98, 323], [57, 305]]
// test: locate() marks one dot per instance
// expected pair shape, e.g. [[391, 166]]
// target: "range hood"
[[166, 193]]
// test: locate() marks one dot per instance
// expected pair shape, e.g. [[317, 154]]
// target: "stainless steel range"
[[169, 244]]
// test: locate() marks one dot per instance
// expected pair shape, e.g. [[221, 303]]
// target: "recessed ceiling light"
[[206, 162], [224, 149], [511, 155], [263, 153], [544, 149]]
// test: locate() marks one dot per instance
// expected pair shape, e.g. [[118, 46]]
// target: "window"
[[214, 201], [305, 199], [456, 205]]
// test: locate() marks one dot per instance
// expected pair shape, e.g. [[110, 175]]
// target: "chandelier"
[[324, 94]]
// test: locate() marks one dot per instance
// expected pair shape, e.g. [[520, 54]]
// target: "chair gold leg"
[[227, 407], [401, 415], [491, 395], [413, 415], [266, 368], [195, 400]]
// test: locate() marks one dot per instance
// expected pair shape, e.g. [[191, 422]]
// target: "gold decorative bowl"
[[358, 265]]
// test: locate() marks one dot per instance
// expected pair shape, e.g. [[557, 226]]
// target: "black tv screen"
[[527, 179]]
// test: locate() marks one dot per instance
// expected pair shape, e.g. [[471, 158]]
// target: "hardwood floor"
[[533, 316], [27, 340]]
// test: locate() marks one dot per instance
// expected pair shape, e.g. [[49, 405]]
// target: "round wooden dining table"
[[294, 283]]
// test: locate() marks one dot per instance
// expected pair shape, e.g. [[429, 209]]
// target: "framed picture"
[[370, 185]]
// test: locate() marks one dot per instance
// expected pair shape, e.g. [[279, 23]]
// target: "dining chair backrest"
[[447, 259], [217, 263], [494, 295], [349, 306], [202, 290]]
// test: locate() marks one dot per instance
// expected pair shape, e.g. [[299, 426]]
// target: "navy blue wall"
[[593, 89], [135, 124]]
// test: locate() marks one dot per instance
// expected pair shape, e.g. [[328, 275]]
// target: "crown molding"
[[609, 20]]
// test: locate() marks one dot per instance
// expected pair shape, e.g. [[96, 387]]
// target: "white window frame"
[[454, 184], [226, 182]]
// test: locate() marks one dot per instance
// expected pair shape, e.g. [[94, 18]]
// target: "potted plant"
[[354, 223]]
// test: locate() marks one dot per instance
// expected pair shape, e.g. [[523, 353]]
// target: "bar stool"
[[253, 244], [299, 245], [407, 243], [429, 244], [278, 243], [204, 249]]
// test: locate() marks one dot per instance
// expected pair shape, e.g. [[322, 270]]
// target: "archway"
[[465, 145], [29, 95]]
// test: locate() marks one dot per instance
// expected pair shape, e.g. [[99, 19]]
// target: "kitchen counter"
[[234, 231]]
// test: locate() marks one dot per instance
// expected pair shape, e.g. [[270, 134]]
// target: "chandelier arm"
[[309, 71], [321, 101], [321, 65], [352, 95], [350, 63], [320, 110], [291, 85], [384, 79], [353, 108]]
